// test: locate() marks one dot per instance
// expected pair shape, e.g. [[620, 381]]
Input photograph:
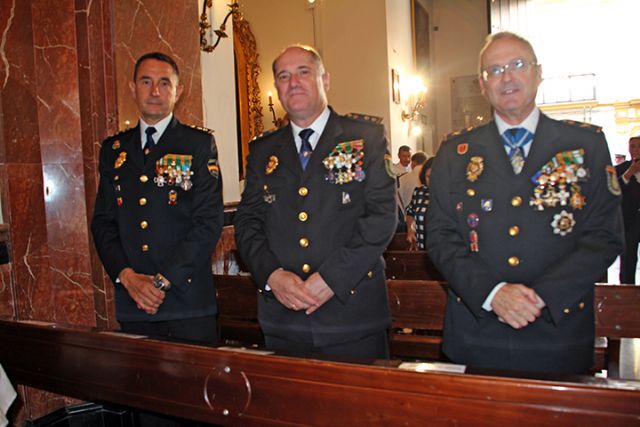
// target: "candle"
[[270, 100]]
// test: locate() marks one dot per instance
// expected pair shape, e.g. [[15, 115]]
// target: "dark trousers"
[[198, 329], [373, 346], [629, 258]]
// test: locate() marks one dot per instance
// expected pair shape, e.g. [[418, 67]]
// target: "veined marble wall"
[[61, 74]]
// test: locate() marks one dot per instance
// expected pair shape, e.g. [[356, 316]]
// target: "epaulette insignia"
[[365, 117], [583, 125], [202, 129], [120, 132], [459, 132], [265, 133]]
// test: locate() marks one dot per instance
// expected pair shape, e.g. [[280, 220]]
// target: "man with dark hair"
[[404, 161], [316, 214], [629, 179], [159, 213], [523, 219]]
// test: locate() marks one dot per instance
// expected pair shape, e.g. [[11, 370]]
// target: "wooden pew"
[[398, 242], [237, 310], [410, 265], [239, 388], [418, 306]]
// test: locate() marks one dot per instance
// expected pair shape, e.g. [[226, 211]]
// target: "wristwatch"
[[160, 282]]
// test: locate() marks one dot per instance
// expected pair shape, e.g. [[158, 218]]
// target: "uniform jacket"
[[630, 196], [301, 222], [517, 244], [160, 229]]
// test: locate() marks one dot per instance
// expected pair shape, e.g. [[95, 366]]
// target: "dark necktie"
[[515, 139], [149, 143], [305, 147]]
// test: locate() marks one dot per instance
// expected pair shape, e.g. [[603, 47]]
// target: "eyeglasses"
[[496, 71]]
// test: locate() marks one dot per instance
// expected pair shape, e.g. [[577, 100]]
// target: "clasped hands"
[[517, 305], [140, 288], [297, 294]]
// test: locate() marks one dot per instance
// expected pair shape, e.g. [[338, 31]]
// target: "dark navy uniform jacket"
[[518, 244], [301, 222], [140, 224]]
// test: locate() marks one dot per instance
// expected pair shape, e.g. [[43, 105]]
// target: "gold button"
[[302, 216], [513, 261], [306, 268], [370, 274], [259, 290], [189, 280], [145, 248], [581, 305], [516, 201], [303, 191], [566, 311], [265, 188], [352, 292], [144, 224], [304, 242], [117, 177], [471, 192], [459, 299], [144, 178], [514, 230], [142, 201]]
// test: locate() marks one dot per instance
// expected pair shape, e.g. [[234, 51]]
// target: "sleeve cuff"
[[487, 302]]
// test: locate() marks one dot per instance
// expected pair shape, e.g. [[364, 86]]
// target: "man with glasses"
[[524, 218]]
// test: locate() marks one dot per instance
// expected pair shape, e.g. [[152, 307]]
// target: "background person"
[[629, 179], [417, 210]]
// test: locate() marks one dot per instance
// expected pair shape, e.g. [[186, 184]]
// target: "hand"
[[412, 240], [319, 289], [633, 169], [289, 289], [517, 305], [141, 290]]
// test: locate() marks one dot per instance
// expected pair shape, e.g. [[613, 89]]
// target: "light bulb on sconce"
[[276, 121], [416, 91]]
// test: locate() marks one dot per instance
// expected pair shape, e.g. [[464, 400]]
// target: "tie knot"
[[150, 131], [305, 134], [516, 137]]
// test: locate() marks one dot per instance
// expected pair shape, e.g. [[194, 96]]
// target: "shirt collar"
[[318, 126], [530, 123], [161, 126]]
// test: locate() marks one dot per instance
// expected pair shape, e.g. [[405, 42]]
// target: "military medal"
[[344, 163], [475, 168], [116, 144], [563, 223], [268, 196], [119, 199], [459, 206], [473, 239], [174, 170], [122, 157], [462, 148], [173, 197], [557, 182], [473, 220], [212, 167], [346, 198], [272, 164], [486, 205]]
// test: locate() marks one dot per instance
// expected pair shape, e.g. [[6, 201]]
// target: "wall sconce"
[[205, 25], [277, 122], [416, 91]]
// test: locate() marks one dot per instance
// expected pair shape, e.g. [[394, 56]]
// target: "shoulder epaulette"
[[118, 133], [202, 129], [583, 125], [459, 132], [364, 117], [265, 133]]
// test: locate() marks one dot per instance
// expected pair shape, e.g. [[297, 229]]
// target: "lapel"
[[543, 147], [287, 152], [492, 146], [327, 142], [132, 145]]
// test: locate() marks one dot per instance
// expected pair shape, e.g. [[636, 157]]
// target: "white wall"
[[219, 102]]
